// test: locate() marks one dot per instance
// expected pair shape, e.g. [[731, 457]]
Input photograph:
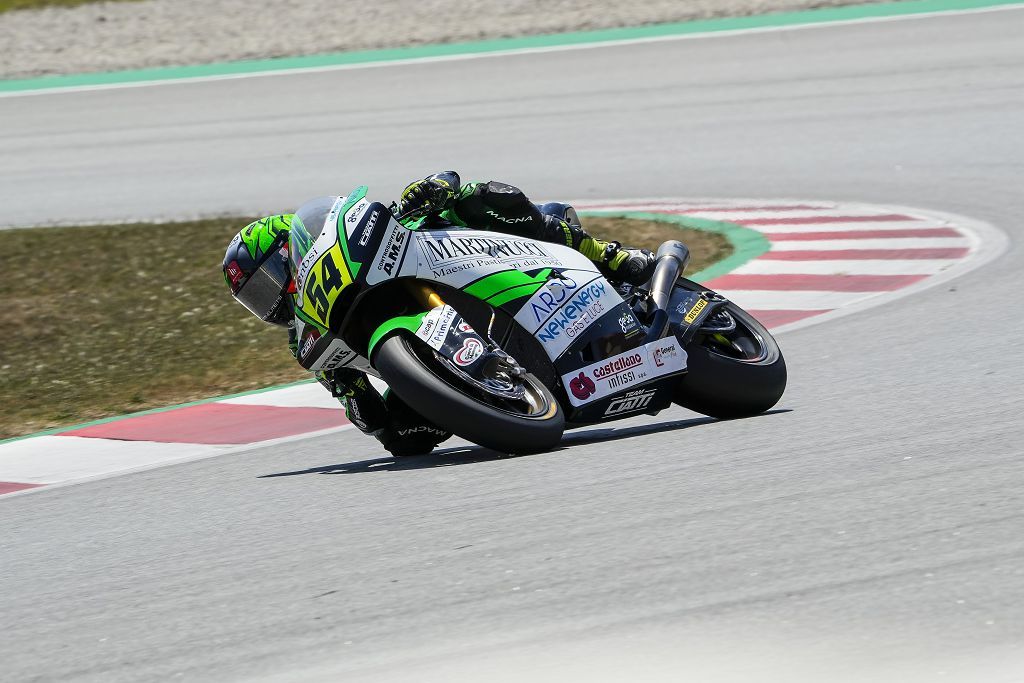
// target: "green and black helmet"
[[256, 269]]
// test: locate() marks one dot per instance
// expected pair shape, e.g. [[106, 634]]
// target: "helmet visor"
[[262, 291]]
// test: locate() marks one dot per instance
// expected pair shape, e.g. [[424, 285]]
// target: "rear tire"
[[433, 392], [725, 386]]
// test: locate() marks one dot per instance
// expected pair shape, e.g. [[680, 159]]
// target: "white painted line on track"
[[872, 243], [846, 267], [514, 52], [672, 204], [51, 459], [311, 395], [195, 455], [879, 226], [772, 299], [738, 216]]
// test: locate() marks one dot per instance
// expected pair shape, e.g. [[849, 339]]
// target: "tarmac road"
[[870, 530]]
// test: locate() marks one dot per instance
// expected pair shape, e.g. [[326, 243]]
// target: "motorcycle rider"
[[260, 249]]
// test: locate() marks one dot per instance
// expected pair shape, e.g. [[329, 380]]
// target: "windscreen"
[[307, 225]]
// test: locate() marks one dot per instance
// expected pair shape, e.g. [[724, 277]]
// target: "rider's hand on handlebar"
[[426, 196]]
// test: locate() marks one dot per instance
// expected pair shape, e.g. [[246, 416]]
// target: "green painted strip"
[[151, 411], [493, 285], [747, 244], [349, 59], [519, 292]]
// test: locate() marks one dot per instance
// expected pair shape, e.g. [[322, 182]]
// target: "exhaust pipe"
[[672, 258]]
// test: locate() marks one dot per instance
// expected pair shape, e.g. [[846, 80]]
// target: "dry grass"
[[705, 247], [105, 320]]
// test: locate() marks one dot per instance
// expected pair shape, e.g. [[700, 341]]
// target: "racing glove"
[[433, 194], [632, 266]]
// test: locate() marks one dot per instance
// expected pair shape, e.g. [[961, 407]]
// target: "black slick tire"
[[433, 393]]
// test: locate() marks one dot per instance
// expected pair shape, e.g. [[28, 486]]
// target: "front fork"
[[495, 360], [424, 294]]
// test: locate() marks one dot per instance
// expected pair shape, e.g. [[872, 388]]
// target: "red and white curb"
[[162, 438], [827, 259], [824, 260]]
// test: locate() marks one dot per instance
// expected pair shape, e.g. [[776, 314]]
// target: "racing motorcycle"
[[507, 341]]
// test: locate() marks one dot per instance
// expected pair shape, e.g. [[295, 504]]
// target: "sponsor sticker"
[[353, 414], [312, 335], [692, 314], [335, 355], [387, 262], [446, 253], [664, 354], [582, 387], [565, 307], [353, 215], [633, 401], [506, 219], [368, 230], [549, 297], [435, 325], [471, 349], [422, 429], [624, 370], [235, 274], [629, 324]]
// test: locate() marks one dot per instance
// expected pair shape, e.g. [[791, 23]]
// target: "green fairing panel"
[[404, 322]]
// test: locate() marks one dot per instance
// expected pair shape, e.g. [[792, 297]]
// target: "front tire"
[[426, 386], [745, 377]]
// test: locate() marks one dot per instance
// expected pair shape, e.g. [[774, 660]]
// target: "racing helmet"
[[256, 269]]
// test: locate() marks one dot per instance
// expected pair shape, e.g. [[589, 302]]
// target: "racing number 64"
[[332, 280]]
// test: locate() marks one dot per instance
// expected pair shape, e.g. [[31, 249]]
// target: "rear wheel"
[[433, 388], [734, 372]]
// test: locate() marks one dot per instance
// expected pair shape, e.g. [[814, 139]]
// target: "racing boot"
[[408, 433], [364, 407], [398, 427]]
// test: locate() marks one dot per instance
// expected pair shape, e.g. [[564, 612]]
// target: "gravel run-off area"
[[111, 36]]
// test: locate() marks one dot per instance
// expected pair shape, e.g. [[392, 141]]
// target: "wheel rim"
[[742, 342], [534, 402]]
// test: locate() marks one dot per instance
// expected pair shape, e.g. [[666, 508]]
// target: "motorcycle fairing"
[[650, 398], [625, 370]]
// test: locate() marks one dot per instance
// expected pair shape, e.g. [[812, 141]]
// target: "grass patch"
[[106, 320]]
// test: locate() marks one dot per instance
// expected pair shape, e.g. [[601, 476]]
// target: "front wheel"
[[422, 380], [737, 373]]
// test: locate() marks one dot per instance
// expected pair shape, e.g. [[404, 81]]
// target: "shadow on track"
[[467, 455]]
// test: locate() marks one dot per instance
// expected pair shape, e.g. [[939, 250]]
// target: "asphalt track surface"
[[871, 530]]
